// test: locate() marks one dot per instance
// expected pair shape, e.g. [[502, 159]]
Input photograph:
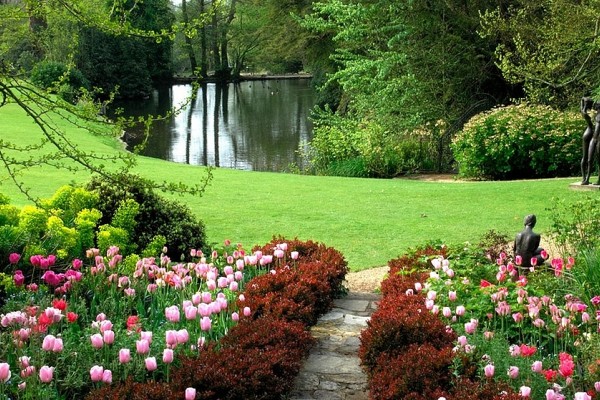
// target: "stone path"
[[332, 370]]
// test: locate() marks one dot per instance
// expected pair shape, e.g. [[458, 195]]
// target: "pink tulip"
[[182, 336], [46, 374], [190, 393], [107, 376], [196, 298], [142, 346], [172, 314], [109, 337], [460, 311], [151, 363], [205, 324], [235, 316], [536, 367], [168, 356], [247, 311], [124, 356], [171, 338], [191, 312], [19, 278], [27, 372], [447, 312], [48, 343], [525, 391], [489, 370], [5, 373], [211, 284], [550, 394], [24, 361], [58, 345], [14, 258], [582, 396], [146, 335], [470, 327], [294, 255], [597, 386], [513, 372], [97, 341], [96, 373], [233, 286], [105, 325]]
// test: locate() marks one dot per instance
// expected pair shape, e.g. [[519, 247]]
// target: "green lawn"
[[370, 221]]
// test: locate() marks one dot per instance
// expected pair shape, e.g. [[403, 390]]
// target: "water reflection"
[[253, 125]]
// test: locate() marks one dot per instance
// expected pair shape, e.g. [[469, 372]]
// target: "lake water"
[[252, 125]]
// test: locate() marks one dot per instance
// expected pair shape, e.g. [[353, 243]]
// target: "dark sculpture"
[[527, 245], [590, 138]]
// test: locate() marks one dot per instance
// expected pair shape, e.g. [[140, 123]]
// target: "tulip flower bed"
[[153, 329], [443, 330]]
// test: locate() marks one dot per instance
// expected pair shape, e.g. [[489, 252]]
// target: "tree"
[[412, 66], [49, 143], [548, 46]]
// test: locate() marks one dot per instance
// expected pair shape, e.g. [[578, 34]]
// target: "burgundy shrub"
[[418, 370], [399, 322]]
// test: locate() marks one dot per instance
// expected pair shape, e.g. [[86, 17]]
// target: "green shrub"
[[125, 216], [576, 225], [111, 236], [59, 78], [157, 215], [68, 201], [341, 146], [518, 142]]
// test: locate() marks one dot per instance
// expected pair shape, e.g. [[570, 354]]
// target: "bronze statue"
[[590, 138], [527, 245]]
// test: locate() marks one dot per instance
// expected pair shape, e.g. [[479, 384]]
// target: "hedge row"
[[260, 357], [407, 351]]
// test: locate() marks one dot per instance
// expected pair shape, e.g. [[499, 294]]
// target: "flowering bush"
[[519, 141]]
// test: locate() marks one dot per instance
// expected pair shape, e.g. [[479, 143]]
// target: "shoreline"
[[242, 78]]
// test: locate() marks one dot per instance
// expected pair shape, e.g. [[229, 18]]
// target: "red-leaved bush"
[[399, 322], [260, 357], [418, 369]]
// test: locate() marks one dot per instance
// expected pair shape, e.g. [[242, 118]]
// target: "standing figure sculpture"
[[590, 138], [527, 245]]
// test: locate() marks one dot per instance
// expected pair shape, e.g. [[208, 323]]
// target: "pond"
[[252, 125]]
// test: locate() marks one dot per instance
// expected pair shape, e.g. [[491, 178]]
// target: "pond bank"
[[243, 77]]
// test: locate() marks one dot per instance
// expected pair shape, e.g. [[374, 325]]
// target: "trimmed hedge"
[[260, 357], [519, 142]]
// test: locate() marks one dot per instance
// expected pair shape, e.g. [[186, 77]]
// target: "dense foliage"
[[518, 142], [154, 217], [137, 220], [548, 47]]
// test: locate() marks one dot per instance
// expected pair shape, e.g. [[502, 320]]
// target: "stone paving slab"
[[332, 370]]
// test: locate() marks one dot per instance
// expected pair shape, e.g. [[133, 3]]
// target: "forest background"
[[396, 79]]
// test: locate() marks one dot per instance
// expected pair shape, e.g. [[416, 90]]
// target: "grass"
[[370, 221]]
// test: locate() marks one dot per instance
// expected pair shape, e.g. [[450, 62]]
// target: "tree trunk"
[[203, 52], [188, 41], [215, 43]]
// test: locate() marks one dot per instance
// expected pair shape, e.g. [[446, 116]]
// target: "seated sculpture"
[[527, 245]]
